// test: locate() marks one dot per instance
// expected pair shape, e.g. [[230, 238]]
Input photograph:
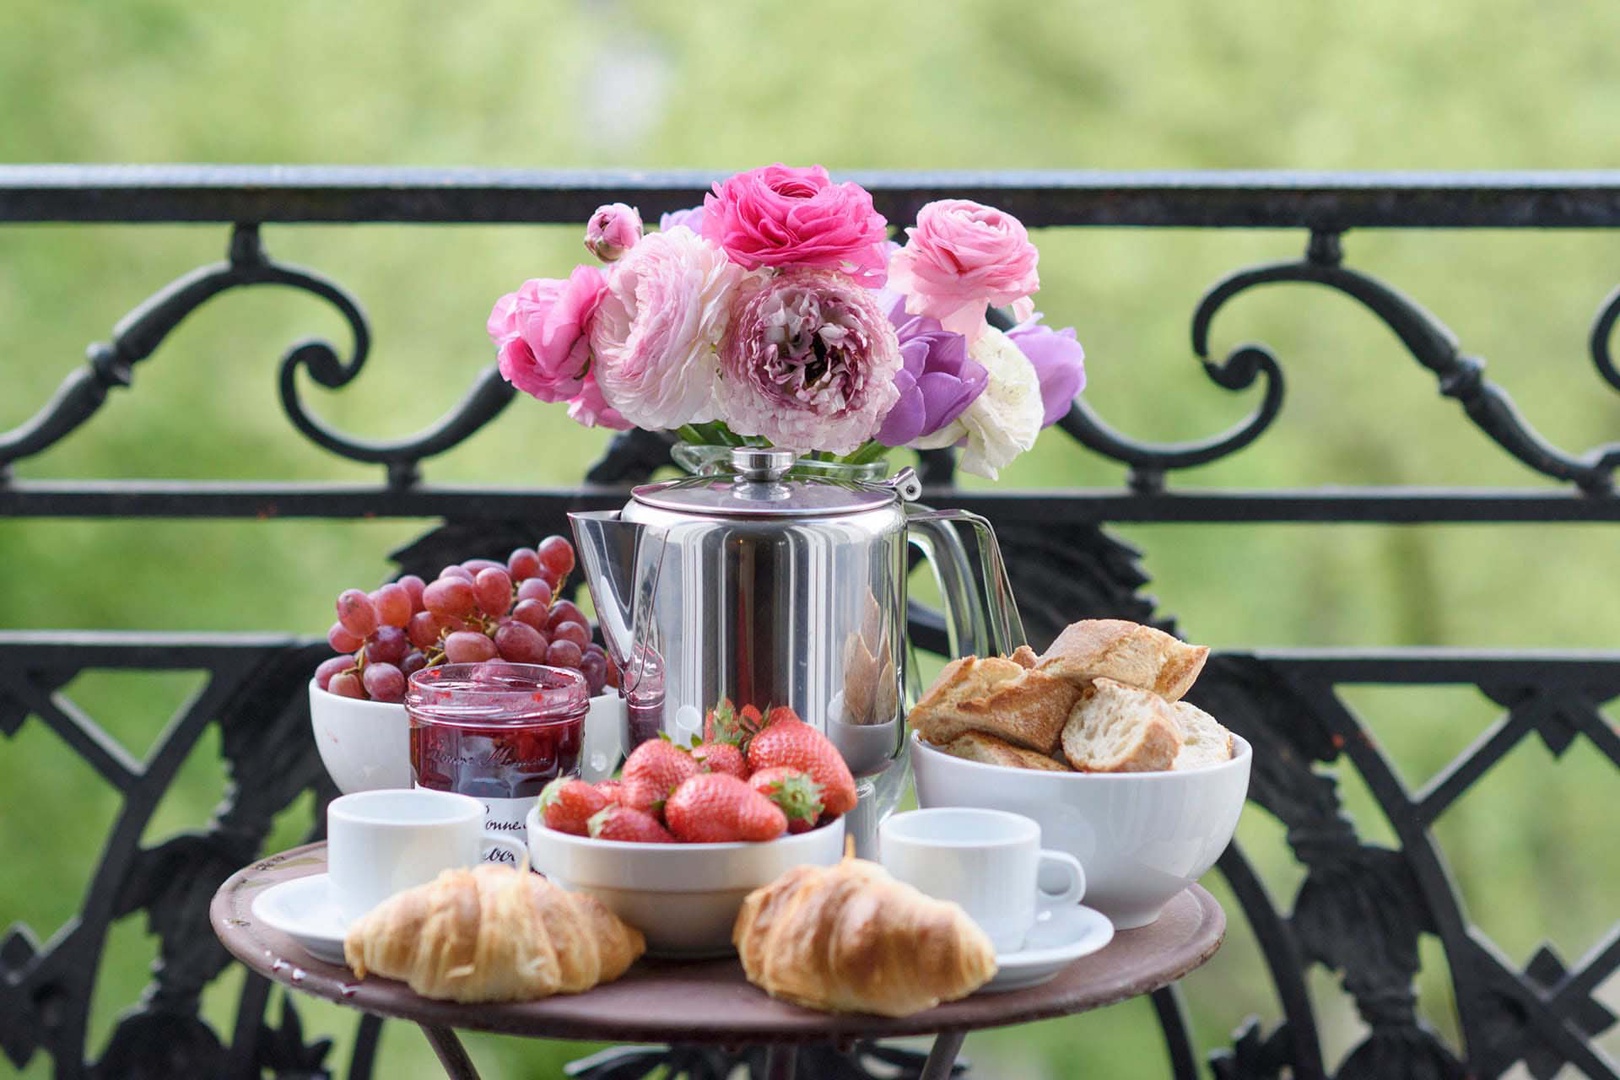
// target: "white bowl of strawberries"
[[683, 835]]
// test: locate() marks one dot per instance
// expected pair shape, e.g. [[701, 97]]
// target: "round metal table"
[[710, 1002]]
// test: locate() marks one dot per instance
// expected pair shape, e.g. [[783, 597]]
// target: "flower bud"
[[612, 231]]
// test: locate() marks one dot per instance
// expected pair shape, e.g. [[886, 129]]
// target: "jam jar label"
[[506, 817]]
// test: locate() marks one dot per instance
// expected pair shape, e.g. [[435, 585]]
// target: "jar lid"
[[760, 485]]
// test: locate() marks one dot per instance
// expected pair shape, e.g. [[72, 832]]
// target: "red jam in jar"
[[498, 732]]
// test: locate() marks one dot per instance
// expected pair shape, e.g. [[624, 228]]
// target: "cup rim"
[[472, 809], [1029, 830]]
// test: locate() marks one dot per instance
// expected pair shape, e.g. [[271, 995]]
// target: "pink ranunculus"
[[810, 362], [612, 231], [667, 305], [542, 333], [1060, 364], [777, 216], [590, 408], [960, 257]]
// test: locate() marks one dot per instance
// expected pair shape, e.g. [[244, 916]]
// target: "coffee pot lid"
[[759, 485]]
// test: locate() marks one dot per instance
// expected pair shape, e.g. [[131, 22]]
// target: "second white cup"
[[379, 843], [989, 861]]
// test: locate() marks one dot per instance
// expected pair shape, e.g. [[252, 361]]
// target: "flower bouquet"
[[781, 313]]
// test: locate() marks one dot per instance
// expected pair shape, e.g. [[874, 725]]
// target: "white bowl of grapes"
[[473, 612]]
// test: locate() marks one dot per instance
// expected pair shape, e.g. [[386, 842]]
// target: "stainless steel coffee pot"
[[761, 585]]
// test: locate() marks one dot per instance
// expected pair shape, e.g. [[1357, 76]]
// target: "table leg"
[[780, 1061], [942, 1058], [452, 1055]]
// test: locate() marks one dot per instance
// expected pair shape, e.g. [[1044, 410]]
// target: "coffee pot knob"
[[762, 464]]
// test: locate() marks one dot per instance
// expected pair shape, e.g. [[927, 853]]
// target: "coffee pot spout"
[[607, 553]]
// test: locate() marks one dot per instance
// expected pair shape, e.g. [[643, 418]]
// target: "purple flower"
[[937, 382], [691, 219], [1059, 362]]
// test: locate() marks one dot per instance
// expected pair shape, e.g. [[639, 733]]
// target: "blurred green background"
[[962, 84]]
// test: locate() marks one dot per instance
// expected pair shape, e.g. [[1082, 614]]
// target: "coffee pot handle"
[[981, 614]]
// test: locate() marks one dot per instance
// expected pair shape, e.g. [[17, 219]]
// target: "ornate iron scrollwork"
[[112, 363], [1429, 341]]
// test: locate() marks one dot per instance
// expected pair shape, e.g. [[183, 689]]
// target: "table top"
[[710, 1001]]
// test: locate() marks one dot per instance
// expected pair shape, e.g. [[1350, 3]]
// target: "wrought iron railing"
[[1362, 907]]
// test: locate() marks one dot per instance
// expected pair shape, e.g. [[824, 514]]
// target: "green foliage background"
[[961, 84]]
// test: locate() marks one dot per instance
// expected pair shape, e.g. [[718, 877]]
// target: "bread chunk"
[[1119, 728], [1125, 652], [996, 696], [1203, 740], [989, 750]]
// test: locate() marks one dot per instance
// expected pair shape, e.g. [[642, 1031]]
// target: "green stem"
[[690, 433], [726, 435], [866, 453]]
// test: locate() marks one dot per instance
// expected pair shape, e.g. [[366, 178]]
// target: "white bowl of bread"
[[1093, 741], [683, 897]]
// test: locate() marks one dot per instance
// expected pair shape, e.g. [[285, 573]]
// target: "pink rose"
[[961, 257], [612, 231], [810, 362], [541, 332], [777, 216], [591, 409], [654, 337]]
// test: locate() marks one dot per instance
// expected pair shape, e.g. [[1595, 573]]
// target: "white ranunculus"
[[655, 334], [1003, 421]]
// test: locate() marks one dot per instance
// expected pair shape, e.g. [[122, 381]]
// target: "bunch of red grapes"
[[475, 611]]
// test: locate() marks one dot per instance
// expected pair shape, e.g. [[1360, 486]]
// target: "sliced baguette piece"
[[999, 697], [1119, 728], [989, 750], [1203, 740], [1126, 652]]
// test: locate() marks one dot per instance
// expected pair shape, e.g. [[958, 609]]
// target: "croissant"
[[850, 938], [494, 933]]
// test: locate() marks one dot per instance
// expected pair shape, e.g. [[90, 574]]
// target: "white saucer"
[[305, 910], [1059, 937]]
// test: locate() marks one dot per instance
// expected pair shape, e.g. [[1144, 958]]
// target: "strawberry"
[[779, 714], [800, 746], [721, 757], [792, 790], [716, 808], [622, 823], [726, 723], [612, 790], [651, 772], [567, 804]]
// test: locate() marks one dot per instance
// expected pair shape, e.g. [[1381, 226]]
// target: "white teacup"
[[988, 861], [379, 843]]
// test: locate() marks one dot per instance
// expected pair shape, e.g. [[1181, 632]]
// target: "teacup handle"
[[518, 849], [1075, 879]]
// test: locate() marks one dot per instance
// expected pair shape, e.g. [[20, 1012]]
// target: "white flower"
[[655, 334], [1003, 421]]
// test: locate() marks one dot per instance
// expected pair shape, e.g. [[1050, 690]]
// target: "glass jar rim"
[[450, 692]]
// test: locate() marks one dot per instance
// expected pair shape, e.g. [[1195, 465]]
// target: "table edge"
[[499, 1018]]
